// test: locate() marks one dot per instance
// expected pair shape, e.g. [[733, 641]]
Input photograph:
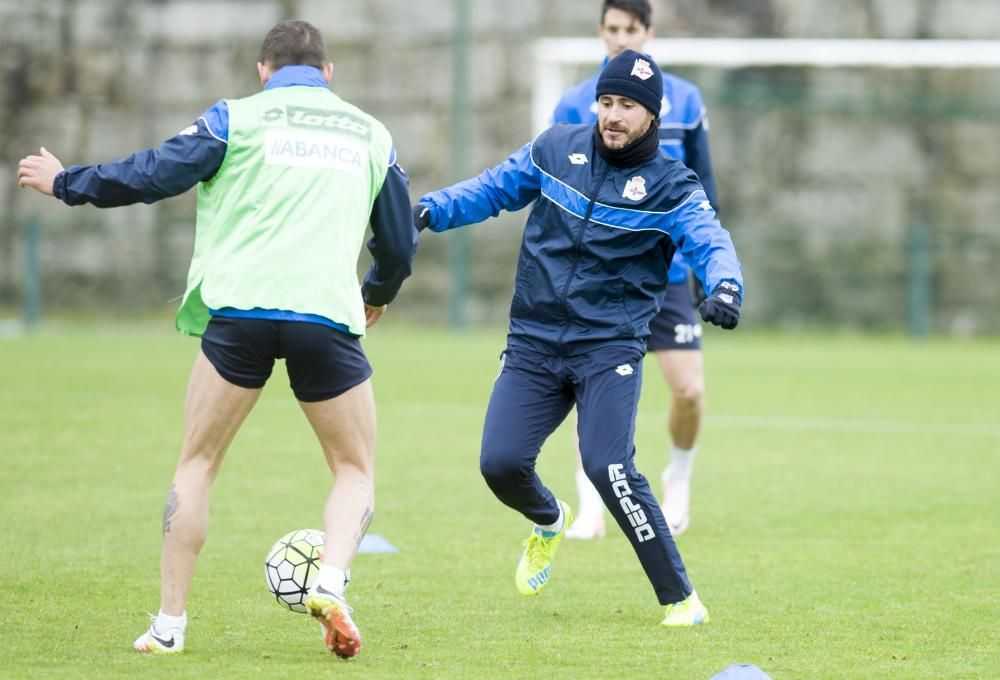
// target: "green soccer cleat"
[[688, 612], [535, 565]]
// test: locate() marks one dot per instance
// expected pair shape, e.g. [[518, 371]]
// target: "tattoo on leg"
[[170, 509], [366, 519]]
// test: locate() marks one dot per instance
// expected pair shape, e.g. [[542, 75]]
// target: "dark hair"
[[640, 9], [293, 43]]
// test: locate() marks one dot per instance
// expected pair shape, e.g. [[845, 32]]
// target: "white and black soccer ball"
[[292, 566]]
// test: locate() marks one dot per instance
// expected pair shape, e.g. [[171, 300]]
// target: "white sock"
[[591, 503], [681, 462], [332, 579], [556, 526], [165, 622]]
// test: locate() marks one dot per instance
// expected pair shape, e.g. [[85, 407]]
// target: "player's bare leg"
[[684, 374], [345, 426], [213, 412], [589, 522]]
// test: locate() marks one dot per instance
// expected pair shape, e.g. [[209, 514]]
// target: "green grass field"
[[845, 518]]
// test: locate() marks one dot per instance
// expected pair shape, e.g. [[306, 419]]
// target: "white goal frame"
[[554, 55]]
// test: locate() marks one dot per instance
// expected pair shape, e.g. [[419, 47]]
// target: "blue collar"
[[290, 76]]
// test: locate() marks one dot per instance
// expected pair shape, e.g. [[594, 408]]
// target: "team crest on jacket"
[[642, 70], [635, 188]]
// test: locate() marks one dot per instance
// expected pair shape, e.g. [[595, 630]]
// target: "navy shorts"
[[322, 362], [676, 326]]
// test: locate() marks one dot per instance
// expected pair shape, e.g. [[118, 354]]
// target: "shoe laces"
[[152, 624], [682, 607], [539, 550], [156, 631]]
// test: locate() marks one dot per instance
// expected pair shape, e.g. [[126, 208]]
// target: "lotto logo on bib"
[[303, 149]]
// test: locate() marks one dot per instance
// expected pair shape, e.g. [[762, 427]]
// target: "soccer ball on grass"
[[292, 566]]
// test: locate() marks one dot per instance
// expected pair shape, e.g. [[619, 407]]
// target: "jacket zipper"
[[576, 255]]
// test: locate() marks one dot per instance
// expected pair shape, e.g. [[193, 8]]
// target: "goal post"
[[556, 57]]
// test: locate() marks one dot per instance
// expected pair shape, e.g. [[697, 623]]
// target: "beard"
[[621, 136]]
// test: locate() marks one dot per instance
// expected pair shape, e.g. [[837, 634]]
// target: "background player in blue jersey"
[[608, 212], [675, 332]]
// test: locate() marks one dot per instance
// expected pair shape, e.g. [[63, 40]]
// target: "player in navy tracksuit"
[[675, 334], [609, 211]]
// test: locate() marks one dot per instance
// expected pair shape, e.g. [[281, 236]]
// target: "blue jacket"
[[683, 132], [598, 241], [196, 153]]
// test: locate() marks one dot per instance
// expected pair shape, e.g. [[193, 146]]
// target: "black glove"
[[722, 307], [421, 216]]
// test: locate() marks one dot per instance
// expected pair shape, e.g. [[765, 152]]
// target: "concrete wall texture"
[[822, 174]]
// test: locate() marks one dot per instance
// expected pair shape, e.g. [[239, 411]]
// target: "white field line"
[[727, 422], [853, 425]]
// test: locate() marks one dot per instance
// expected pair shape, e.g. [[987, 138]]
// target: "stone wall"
[[822, 174]]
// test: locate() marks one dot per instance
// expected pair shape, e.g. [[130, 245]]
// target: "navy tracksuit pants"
[[532, 395]]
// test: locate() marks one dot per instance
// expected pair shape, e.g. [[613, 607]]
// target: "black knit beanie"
[[634, 75]]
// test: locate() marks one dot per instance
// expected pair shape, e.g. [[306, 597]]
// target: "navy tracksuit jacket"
[[593, 266]]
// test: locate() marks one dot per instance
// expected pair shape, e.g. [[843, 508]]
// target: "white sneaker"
[[586, 528], [676, 503], [159, 642]]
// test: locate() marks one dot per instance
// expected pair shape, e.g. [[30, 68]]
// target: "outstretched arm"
[[509, 186], [191, 156]]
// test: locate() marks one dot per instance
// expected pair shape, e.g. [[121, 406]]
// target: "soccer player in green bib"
[[288, 181]]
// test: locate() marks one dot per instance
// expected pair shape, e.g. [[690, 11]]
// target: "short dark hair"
[[293, 43], [640, 9]]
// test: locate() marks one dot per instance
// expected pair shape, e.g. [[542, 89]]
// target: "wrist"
[[729, 292]]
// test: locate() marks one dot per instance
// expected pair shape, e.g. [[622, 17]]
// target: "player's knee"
[[499, 466], [597, 474], [689, 394]]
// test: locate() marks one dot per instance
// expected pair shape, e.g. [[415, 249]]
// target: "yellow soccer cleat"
[[688, 612], [339, 632], [535, 565]]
